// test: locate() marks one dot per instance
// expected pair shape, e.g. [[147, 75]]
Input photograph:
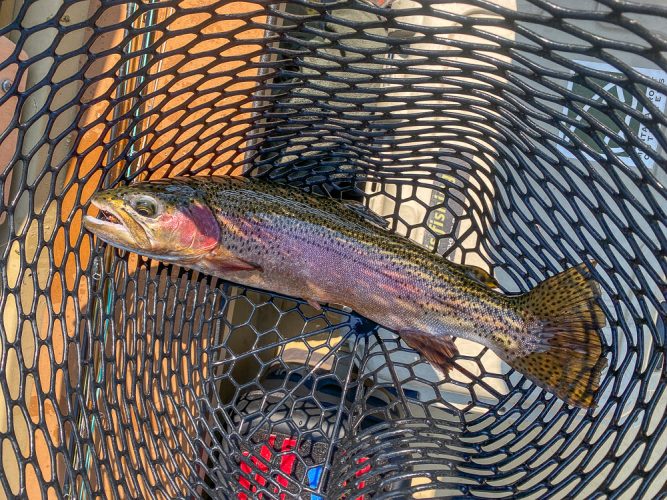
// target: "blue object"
[[314, 476]]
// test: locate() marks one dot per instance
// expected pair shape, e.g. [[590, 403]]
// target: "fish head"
[[166, 220]]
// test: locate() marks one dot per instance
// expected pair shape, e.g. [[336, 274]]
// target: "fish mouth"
[[116, 227]]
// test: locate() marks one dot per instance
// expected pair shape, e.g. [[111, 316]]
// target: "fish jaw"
[[119, 229], [182, 229]]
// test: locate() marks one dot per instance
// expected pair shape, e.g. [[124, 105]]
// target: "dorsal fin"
[[365, 212], [477, 274]]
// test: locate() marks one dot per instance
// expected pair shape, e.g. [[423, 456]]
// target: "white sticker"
[[657, 98]]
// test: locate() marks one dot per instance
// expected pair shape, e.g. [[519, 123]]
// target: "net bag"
[[521, 136]]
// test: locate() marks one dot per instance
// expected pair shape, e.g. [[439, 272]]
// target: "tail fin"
[[566, 320]]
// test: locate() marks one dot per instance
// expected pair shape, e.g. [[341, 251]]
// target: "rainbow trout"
[[277, 238]]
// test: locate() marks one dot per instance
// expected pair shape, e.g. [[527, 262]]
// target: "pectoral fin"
[[222, 261], [238, 265], [439, 350], [314, 304]]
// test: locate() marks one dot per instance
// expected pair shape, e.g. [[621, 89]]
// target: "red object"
[[287, 463], [360, 473], [380, 3]]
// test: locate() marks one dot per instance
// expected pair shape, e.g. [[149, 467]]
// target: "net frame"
[[521, 136]]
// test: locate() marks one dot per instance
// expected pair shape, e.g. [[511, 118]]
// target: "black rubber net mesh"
[[520, 136]]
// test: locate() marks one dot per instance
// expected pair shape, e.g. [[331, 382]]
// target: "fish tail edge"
[[567, 320]]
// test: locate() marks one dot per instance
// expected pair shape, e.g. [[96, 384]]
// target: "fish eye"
[[145, 207]]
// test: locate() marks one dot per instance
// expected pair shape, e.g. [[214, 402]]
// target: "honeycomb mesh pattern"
[[523, 136]]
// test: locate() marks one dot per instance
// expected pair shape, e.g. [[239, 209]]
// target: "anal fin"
[[440, 351]]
